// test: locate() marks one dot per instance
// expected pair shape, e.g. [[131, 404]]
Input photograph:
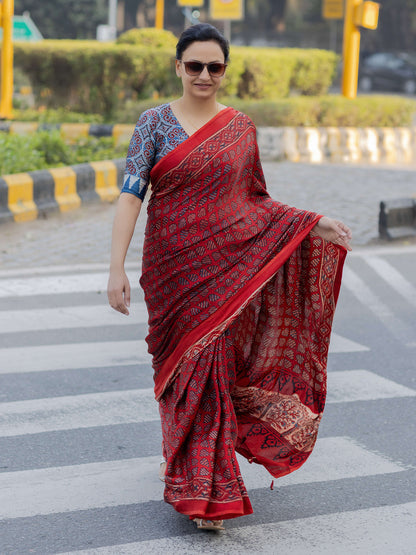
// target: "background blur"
[[267, 22]]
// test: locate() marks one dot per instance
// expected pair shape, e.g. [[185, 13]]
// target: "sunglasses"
[[215, 69]]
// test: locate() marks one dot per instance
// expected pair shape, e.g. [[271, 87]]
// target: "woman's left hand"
[[334, 231]]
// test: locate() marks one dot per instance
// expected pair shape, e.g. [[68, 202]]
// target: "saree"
[[241, 297]]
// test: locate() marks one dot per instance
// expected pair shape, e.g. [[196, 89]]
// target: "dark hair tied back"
[[202, 32]]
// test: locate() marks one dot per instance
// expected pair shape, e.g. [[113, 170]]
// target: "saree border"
[[175, 156]]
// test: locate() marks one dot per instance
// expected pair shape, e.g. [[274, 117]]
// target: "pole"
[[227, 29], [112, 13], [160, 13], [6, 90], [351, 51]]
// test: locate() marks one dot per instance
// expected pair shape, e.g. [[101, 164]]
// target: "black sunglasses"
[[215, 69]]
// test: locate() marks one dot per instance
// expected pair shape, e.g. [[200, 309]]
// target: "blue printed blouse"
[[157, 133]]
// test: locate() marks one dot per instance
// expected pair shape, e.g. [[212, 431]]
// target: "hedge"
[[48, 150], [97, 77], [304, 111]]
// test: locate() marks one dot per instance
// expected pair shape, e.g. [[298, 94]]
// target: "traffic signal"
[[357, 14]]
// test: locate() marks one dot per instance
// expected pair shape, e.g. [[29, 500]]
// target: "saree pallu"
[[241, 298]]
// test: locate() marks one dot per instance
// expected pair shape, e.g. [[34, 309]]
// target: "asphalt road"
[[79, 431]]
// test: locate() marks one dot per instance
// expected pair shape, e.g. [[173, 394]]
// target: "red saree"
[[241, 299]]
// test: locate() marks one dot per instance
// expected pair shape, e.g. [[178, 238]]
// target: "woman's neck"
[[199, 107]]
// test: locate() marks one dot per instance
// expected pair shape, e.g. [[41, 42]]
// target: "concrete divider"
[[26, 196], [338, 144]]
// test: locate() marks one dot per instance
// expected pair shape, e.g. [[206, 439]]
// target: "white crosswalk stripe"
[[43, 319], [393, 277], [375, 531], [138, 405], [123, 482], [84, 484], [380, 308]]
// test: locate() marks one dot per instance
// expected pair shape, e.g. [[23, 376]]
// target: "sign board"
[[24, 29], [227, 9], [333, 9], [191, 3]]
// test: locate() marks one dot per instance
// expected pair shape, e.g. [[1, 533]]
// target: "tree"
[[69, 19]]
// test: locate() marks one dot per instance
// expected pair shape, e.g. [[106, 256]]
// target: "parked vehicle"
[[389, 72]]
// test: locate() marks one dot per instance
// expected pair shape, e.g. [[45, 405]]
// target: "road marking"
[[77, 411], [18, 321], [362, 385], [340, 344], [130, 481], [393, 277], [70, 269], [138, 405], [374, 531], [368, 298], [66, 356], [41, 358], [363, 252], [59, 284]]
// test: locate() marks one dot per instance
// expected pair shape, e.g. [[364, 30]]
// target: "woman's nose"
[[205, 73]]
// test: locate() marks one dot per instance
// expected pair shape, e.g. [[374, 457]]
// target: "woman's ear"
[[178, 68]]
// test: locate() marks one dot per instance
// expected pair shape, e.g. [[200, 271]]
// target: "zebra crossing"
[[80, 434]]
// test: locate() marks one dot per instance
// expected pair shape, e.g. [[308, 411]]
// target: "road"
[[79, 430]]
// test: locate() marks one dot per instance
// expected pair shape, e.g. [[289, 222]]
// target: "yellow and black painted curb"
[[120, 132], [26, 196]]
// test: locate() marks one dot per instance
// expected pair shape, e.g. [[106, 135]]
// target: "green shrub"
[[48, 150], [367, 111], [89, 76], [58, 115], [307, 111], [313, 72], [92, 77], [149, 37]]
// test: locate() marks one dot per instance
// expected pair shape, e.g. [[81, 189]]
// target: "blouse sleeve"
[[141, 155]]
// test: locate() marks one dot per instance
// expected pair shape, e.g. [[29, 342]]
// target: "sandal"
[[203, 524], [162, 470]]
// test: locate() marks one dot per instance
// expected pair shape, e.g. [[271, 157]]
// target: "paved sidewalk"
[[350, 193]]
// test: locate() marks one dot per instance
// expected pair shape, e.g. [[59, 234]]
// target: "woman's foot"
[[162, 470], [203, 524]]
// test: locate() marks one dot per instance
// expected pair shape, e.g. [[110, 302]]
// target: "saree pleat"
[[241, 298]]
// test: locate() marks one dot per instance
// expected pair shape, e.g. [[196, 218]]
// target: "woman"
[[240, 290]]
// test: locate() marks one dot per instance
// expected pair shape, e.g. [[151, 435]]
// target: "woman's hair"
[[201, 32]]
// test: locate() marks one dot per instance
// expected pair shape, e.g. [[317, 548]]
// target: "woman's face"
[[203, 85]]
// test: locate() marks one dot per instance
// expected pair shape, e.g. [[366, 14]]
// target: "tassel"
[[271, 485]]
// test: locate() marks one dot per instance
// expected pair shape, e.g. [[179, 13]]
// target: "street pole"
[[6, 90], [351, 50], [112, 13], [160, 13]]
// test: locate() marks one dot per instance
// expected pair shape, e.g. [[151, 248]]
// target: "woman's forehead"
[[204, 49]]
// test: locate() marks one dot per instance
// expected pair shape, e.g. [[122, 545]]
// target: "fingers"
[[118, 293], [115, 299], [127, 294]]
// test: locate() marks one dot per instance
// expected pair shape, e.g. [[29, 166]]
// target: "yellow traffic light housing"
[[357, 14], [366, 15]]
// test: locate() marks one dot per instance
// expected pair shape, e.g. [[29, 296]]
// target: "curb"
[[120, 132], [338, 144], [26, 196], [388, 145]]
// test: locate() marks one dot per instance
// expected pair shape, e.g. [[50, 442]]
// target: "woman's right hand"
[[118, 291]]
